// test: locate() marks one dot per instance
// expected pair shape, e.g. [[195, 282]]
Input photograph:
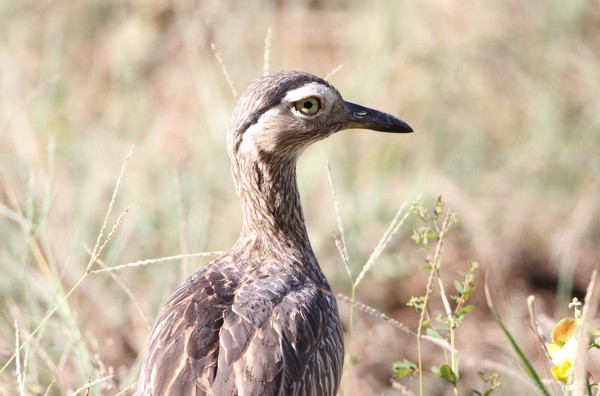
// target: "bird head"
[[281, 113]]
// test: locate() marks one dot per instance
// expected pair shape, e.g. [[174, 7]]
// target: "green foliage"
[[493, 382], [434, 225], [403, 368], [417, 302], [429, 230], [446, 372]]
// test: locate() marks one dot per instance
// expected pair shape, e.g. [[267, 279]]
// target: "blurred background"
[[504, 98]]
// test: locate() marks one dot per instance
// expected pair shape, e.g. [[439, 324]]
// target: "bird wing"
[[312, 342], [184, 343], [280, 337], [267, 336]]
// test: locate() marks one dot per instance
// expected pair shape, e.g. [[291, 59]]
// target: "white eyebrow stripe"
[[260, 134], [311, 89]]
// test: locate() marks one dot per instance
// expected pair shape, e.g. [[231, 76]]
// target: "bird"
[[261, 318]]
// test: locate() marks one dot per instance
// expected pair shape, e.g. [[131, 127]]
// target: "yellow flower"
[[563, 349], [563, 358], [562, 371]]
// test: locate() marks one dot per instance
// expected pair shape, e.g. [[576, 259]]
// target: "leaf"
[[433, 333], [416, 302], [459, 287], [439, 206], [448, 374], [403, 368], [430, 235], [464, 310], [416, 237]]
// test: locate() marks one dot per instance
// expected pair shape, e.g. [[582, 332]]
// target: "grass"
[[503, 98]]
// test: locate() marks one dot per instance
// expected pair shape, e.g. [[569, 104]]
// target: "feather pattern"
[[224, 332]]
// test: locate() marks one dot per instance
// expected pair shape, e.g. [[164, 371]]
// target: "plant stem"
[[349, 350], [435, 265]]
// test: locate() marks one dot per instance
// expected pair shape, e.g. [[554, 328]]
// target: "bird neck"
[[272, 213]]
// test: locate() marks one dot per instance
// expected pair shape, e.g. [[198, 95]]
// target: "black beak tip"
[[402, 127], [388, 123], [358, 116]]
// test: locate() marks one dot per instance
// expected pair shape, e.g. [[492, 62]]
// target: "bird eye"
[[308, 106]]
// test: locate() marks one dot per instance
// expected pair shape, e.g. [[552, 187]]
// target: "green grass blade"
[[528, 367]]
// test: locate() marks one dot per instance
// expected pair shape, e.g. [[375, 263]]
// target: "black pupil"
[[308, 104]]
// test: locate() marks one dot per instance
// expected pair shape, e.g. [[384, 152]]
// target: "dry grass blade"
[[342, 246], [20, 373], [401, 388], [110, 236], [86, 387], [153, 261], [333, 71], [510, 372], [375, 313], [97, 247], [590, 307], [267, 52], [224, 70], [30, 98], [535, 327], [10, 214], [397, 221], [441, 343], [26, 228], [127, 291], [341, 250]]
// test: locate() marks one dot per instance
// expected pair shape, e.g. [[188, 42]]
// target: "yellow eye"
[[308, 106]]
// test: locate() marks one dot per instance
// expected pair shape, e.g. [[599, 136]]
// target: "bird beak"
[[364, 118]]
